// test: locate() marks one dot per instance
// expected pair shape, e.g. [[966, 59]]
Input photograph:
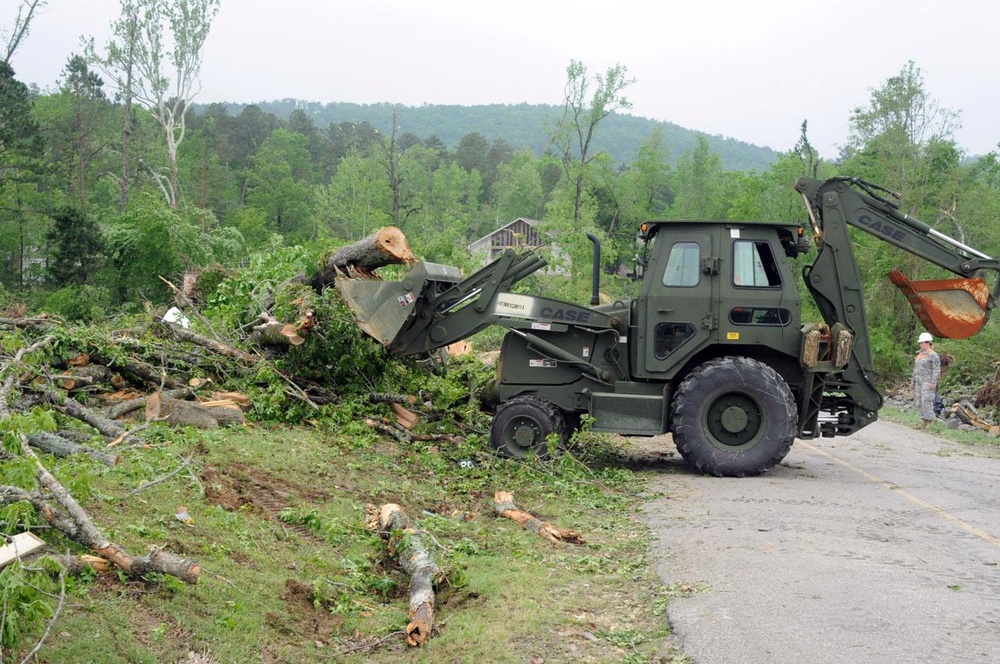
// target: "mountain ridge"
[[521, 125]]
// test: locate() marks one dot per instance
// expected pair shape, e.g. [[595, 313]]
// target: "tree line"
[[110, 184]]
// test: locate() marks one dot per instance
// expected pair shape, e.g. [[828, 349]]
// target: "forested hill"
[[520, 125]]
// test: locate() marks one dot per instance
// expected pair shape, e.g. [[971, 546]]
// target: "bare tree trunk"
[[126, 179], [404, 538]]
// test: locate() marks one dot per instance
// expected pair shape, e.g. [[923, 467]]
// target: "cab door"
[[677, 314]]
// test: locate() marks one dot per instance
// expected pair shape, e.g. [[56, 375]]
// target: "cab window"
[[760, 316], [668, 337], [754, 265], [683, 265]]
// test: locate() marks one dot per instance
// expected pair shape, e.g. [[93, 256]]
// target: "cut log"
[[405, 541], [503, 504], [178, 412], [129, 405], [387, 246], [406, 417], [272, 332]]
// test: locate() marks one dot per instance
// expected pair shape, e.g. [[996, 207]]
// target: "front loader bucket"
[[385, 310], [380, 308], [948, 308]]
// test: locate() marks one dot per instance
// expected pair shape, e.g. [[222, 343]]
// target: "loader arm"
[[432, 307]]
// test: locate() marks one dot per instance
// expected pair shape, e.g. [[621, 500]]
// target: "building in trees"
[[521, 234]]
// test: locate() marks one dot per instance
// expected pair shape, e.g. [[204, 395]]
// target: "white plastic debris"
[[175, 315]]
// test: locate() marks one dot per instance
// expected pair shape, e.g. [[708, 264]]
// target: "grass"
[[290, 573], [980, 438]]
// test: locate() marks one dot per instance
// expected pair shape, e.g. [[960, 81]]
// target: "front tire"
[[523, 425], [734, 417]]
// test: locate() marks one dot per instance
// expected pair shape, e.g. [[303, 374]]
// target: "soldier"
[[926, 371]]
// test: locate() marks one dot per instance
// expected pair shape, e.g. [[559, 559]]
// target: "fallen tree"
[[405, 541], [55, 505], [360, 260]]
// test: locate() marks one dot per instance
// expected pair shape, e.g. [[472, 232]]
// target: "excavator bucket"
[[948, 308]]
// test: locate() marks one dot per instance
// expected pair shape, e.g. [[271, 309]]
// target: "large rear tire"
[[523, 425], [733, 417]]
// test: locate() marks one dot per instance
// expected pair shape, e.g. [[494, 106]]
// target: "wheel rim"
[[523, 434], [734, 421]]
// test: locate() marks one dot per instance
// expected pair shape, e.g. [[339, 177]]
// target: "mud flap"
[[948, 308]]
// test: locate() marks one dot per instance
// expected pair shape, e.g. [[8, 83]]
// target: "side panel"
[[524, 369]]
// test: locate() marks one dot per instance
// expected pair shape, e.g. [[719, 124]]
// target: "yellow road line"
[[964, 525]]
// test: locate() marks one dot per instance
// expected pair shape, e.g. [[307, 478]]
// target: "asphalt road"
[[880, 547]]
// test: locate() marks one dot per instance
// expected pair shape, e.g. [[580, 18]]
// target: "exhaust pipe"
[[595, 288]]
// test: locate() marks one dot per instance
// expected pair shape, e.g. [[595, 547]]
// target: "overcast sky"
[[748, 70]]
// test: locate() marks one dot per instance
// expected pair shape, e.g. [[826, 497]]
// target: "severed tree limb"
[[398, 433], [386, 246], [39, 323], [56, 445], [144, 372], [76, 564], [70, 406], [218, 347], [503, 504], [386, 397], [75, 523], [405, 540], [88, 376]]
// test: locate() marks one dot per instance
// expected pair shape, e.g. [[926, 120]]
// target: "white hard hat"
[[925, 336]]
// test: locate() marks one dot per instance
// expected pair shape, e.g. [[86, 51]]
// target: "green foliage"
[[152, 240], [699, 185], [521, 125], [26, 601], [18, 128], [77, 303], [280, 184]]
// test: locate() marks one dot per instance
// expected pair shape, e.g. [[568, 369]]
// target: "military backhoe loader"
[[713, 349]]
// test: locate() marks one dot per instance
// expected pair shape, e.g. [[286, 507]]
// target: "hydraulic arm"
[[950, 308]]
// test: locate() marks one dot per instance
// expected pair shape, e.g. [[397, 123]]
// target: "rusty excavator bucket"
[[948, 308]]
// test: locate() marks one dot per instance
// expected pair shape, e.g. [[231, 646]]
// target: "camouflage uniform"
[[926, 371]]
